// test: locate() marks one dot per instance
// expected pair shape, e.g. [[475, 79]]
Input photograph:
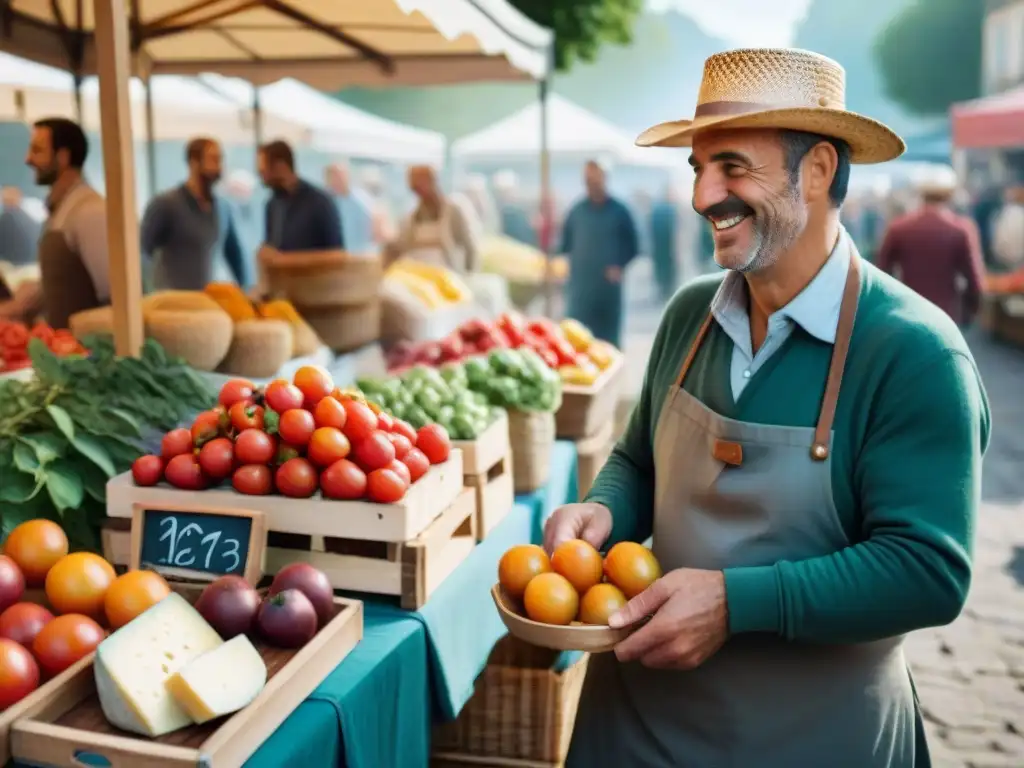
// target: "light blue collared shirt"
[[815, 309]]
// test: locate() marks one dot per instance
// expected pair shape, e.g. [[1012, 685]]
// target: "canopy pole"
[[112, 66], [257, 116], [150, 139], [78, 98], [545, 206]]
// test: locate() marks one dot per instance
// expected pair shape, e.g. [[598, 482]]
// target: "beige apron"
[[431, 241], [735, 494]]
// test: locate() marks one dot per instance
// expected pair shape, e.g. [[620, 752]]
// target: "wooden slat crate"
[[585, 409], [487, 468]]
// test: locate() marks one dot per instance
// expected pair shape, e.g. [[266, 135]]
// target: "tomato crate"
[[586, 409], [592, 453], [487, 469], [64, 726]]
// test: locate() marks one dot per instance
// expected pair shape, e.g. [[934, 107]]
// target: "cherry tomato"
[[244, 415], [23, 621], [253, 480], [360, 421], [19, 673], [405, 429], [296, 478], [384, 421], [175, 443], [329, 413], [417, 462], [343, 480], [401, 470], [147, 470], [217, 458], [254, 446], [433, 440], [64, 641], [205, 428], [315, 383], [281, 396], [384, 486], [374, 452], [327, 445], [236, 391], [183, 471], [402, 444], [296, 427]]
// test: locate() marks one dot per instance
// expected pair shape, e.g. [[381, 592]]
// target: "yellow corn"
[[231, 299], [583, 375], [577, 334], [602, 354], [422, 289]]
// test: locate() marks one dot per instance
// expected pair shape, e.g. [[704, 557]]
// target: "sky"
[[742, 22]]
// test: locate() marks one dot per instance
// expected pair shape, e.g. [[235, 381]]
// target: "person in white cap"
[[806, 449]]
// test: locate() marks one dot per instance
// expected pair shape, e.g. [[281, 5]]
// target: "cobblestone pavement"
[[969, 675]]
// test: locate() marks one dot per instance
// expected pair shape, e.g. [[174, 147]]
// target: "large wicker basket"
[[532, 435], [344, 328], [523, 709], [313, 279]]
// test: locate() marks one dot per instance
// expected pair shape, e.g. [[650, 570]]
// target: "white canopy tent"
[[335, 126], [572, 132]]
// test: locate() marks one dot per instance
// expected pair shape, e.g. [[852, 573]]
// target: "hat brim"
[[870, 141]]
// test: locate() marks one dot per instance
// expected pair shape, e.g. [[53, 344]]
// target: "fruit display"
[[15, 337], [567, 347], [518, 262], [434, 286], [296, 438], [576, 585]]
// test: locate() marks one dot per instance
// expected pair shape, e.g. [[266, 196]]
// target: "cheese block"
[[132, 666], [221, 681]]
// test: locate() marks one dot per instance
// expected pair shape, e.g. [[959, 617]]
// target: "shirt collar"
[[815, 308], [53, 201]]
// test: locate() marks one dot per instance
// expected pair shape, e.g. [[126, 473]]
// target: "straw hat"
[[936, 180], [778, 88]]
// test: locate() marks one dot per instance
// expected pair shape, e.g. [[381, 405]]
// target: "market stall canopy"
[[572, 132], [335, 126], [991, 122], [182, 108], [328, 44]]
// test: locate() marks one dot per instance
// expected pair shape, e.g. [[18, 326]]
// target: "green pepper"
[[417, 417], [454, 374], [477, 371], [398, 409], [428, 400], [463, 428], [446, 413], [368, 385], [505, 390]]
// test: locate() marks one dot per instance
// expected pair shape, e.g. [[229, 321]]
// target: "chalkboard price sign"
[[192, 542]]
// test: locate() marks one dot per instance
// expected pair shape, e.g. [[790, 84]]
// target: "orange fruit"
[[35, 546], [631, 567], [131, 594], [78, 583], [600, 602], [551, 599], [315, 383], [579, 562], [519, 565]]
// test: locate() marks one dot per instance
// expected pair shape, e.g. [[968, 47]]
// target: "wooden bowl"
[[575, 637]]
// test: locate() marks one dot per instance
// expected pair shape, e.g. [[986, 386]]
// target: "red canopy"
[[991, 122]]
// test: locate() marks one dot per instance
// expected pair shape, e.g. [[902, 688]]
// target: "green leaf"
[[271, 421], [48, 366], [132, 423], [47, 446], [91, 448], [94, 481], [14, 515], [25, 459], [64, 486], [16, 489], [62, 420]]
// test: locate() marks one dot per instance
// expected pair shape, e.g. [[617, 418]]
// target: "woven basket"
[[314, 279], [344, 328], [532, 435], [522, 709]]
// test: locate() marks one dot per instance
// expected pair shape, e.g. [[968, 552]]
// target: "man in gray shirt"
[[186, 229], [300, 216]]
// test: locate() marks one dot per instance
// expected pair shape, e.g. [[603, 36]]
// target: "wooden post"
[[113, 66]]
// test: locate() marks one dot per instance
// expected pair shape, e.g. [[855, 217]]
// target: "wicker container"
[[314, 279], [345, 328], [259, 348], [532, 435], [522, 709]]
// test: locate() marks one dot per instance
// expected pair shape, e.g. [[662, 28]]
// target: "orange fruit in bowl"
[[631, 567], [579, 562], [519, 565], [551, 599], [600, 602]]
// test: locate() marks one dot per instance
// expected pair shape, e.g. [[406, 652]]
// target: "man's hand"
[[690, 620], [590, 522], [613, 275]]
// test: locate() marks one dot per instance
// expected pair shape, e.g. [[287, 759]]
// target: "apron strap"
[[693, 350], [844, 331]]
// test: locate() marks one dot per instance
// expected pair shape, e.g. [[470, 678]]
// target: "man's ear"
[[819, 169]]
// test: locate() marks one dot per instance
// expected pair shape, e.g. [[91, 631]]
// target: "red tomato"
[[343, 480], [217, 458], [253, 480], [65, 640], [296, 427], [545, 328], [417, 462], [405, 429], [183, 471], [433, 440], [175, 443], [23, 621], [62, 346], [374, 452], [42, 331], [384, 421], [15, 336], [327, 445], [315, 383], [360, 421], [235, 391], [401, 442], [296, 478], [329, 413], [384, 486], [401, 470], [254, 446], [147, 470], [564, 352], [19, 673], [245, 415], [281, 396], [205, 428]]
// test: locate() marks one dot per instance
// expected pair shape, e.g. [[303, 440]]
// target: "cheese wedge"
[[221, 681], [133, 664]]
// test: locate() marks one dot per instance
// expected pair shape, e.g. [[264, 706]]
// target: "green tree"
[[582, 26], [930, 54]]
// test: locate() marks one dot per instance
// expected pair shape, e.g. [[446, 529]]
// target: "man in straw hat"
[[803, 528], [933, 250]]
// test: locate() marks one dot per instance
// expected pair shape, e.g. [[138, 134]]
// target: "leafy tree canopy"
[[582, 26]]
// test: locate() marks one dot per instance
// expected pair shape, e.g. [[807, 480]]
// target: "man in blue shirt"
[[354, 206], [300, 216]]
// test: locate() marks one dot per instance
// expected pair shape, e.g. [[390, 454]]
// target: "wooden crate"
[[487, 468], [402, 521], [66, 727], [592, 453], [410, 570], [585, 409]]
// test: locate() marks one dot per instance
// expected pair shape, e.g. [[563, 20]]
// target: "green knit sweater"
[[911, 426]]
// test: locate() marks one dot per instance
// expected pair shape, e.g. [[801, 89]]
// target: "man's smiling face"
[[743, 187]]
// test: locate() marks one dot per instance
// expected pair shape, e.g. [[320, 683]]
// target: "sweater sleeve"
[[918, 482]]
